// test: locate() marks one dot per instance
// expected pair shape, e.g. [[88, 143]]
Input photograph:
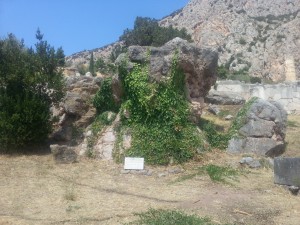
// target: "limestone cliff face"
[[263, 35]]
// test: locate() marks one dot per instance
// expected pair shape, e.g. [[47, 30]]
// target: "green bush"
[[254, 80], [147, 32], [103, 100], [26, 78], [242, 41], [24, 119], [222, 72]]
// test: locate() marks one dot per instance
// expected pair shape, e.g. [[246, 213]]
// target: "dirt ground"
[[34, 190]]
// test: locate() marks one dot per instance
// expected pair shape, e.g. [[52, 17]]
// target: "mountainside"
[[262, 35], [258, 36]]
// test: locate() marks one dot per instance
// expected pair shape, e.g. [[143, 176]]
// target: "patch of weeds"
[[220, 173], [215, 138], [265, 163], [169, 217], [240, 118], [291, 123], [70, 194]]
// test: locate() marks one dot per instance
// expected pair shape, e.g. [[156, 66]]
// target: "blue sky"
[[77, 25]]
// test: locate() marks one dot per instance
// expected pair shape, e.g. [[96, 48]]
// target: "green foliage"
[[218, 139], [219, 173], [240, 118], [105, 68], [162, 144], [92, 65], [222, 72], [159, 117], [82, 69], [291, 123], [254, 80], [30, 82], [242, 41], [103, 100], [215, 138], [147, 32], [169, 217]]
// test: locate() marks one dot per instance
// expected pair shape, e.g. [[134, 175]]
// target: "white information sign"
[[134, 163]]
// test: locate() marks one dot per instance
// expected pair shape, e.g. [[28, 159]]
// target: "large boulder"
[[76, 111], [198, 64], [263, 130]]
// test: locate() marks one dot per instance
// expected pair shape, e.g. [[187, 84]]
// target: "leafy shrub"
[[30, 82], [24, 118], [147, 32], [82, 69], [103, 100], [254, 80], [222, 72]]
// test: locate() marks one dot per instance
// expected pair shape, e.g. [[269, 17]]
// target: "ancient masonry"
[[288, 93]]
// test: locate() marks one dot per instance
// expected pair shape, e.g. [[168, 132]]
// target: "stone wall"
[[288, 94]]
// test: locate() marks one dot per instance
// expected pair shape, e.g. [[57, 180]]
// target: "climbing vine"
[[159, 117]]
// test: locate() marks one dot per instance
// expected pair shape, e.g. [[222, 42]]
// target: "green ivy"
[[103, 100], [159, 117]]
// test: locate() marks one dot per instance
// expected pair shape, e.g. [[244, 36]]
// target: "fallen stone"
[[224, 98], [228, 117], [63, 154], [294, 190], [287, 171], [252, 163], [214, 109]]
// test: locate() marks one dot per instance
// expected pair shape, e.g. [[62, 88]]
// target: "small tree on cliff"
[[30, 82], [92, 65]]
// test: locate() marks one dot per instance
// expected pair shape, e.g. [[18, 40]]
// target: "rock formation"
[[263, 131], [198, 64], [75, 112]]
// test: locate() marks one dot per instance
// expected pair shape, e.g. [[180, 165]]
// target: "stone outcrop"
[[198, 64], [75, 112], [263, 132]]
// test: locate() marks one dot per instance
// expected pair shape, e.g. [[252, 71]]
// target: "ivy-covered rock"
[[197, 64]]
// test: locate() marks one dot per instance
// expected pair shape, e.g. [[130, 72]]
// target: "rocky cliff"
[[262, 35]]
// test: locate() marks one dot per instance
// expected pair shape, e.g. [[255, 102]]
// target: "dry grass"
[[36, 191], [292, 136]]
